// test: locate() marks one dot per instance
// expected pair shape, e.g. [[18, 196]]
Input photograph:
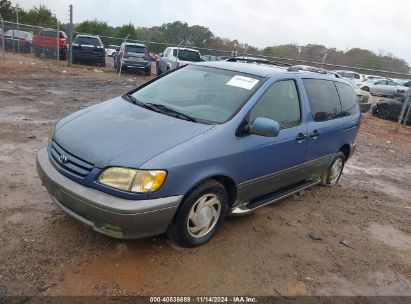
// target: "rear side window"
[[186, 55], [136, 49], [323, 98], [280, 103], [348, 99]]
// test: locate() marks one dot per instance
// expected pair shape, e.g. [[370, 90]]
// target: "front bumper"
[[107, 214]]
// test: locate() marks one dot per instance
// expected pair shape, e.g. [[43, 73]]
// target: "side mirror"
[[264, 127]]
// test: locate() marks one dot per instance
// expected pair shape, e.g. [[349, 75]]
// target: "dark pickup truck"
[[48, 42]]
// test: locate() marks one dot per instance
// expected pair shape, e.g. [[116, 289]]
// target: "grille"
[[71, 163]]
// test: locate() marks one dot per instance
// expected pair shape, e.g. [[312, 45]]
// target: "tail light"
[[177, 64]]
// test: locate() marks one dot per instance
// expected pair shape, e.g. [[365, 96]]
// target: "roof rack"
[[307, 68], [257, 60]]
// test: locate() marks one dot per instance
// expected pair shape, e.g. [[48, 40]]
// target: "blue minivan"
[[184, 150]]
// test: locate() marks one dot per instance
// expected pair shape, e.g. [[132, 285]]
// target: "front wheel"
[[202, 213], [332, 175]]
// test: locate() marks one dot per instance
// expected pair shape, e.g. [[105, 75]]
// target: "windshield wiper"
[[141, 104], [177, 114]]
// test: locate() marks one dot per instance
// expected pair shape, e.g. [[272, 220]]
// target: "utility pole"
[[325, 55], [404, 106], [71, 36], [2, 40], [18, 30], [122, 55], [58, 42]]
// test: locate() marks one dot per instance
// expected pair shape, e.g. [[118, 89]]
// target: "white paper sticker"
[[242, 82]]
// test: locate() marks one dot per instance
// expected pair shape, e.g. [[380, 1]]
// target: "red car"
[[45, 44]]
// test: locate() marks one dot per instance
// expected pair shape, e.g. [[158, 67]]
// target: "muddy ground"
[[45, 252]]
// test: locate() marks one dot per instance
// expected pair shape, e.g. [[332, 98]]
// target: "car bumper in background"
[[89, 57], [107, 214], [129, 64]]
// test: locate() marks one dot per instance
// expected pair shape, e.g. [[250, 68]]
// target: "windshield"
[[203, 93], [187, 55], [136, 49]]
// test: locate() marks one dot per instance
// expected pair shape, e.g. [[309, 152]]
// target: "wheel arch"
[[346, 149], [227, 182]]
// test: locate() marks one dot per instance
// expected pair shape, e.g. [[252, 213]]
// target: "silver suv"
[[174, 57], [133, 56]]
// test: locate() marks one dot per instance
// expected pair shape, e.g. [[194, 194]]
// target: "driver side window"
[[279, 103]]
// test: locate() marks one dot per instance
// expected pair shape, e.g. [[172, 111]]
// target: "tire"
[[158, 71], [184, 227], [331, 177], [366, 89], [384, 111], [37, 52]]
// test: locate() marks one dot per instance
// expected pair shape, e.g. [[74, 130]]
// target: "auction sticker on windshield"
[[242, 82]]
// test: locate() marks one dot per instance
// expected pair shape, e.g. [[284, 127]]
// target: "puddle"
[[372, 284], [398, 173], [390, 236]]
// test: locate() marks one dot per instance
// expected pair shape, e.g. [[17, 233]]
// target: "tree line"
[[200, 36]]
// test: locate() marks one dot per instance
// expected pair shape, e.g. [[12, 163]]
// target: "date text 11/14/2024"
[[203, 299]]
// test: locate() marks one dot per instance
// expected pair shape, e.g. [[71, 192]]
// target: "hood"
[[119, 133]]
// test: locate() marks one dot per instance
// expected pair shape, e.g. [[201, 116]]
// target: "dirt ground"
[[270, 252]]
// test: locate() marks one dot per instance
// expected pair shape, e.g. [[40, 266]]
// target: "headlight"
[[132, 180], [51, 134]]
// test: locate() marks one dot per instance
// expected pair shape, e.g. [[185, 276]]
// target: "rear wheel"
[[331, 177], [201, 214], [384, 111]]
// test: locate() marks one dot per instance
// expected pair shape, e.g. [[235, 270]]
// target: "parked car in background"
[[174, 57], [181, 152], [18, 40], [111, 50], [154, 57], [133, 56], [364, 99], [45, 44], [309, 68], [385, 87], [373, 78], [390, 109], [355, 77], [88, 49], [407, 84], [210, 58]]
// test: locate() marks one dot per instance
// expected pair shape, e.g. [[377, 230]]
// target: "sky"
[[380, 26]]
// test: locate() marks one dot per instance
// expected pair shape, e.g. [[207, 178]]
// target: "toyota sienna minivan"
[[181, 152]]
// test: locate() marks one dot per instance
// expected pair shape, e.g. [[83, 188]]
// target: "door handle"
[[300, 136], [315, 133]]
